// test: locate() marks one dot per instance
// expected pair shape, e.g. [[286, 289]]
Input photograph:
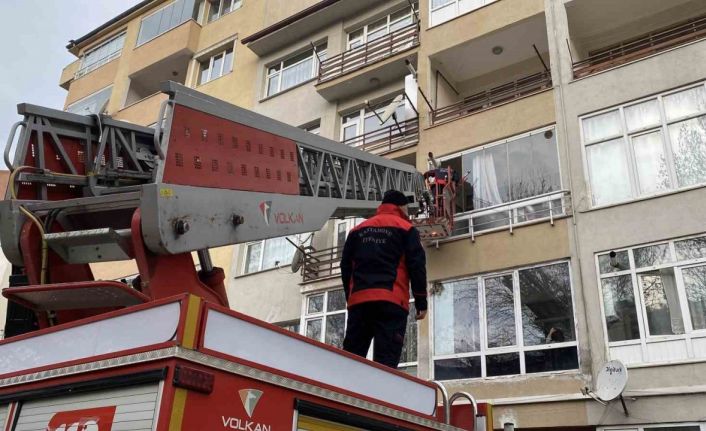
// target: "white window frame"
[[519, 346], [235, 5], [159, 10], [83, 99], [701, 425], [363, 39], [362, 114], [299, 238], [211, 59], [641, 312], [312, 127], [629, 150], [320, 49], [306, 317], [84, 68], [513, 207], [456, 5]]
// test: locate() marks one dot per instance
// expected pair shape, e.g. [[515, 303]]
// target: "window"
[[101, 55], [445, 10], [518, 322], [293, 70], [324, 319], [218, 8], [166, 18], [291, 325], [216, 66], [91, 104], [271, 253], [364, 120], [522, 169], [313, 127], [382, 27], [648, 147], [655, 293]]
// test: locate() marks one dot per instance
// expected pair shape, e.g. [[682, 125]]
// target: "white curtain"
[[485, 181], [296, 74]]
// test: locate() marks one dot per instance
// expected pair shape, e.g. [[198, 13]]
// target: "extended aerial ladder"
[[88, 189]]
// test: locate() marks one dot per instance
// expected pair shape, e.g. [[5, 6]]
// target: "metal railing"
[[326, 263], [642, 46], [372, 52], [85, 70], [387, 139], [537, 209], [495, 96], [322, 264]]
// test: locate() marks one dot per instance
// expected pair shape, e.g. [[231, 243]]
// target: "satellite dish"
[[611, 380], [390, 110], [297, 260]]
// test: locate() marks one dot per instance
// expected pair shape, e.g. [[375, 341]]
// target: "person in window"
[[555, 335], [381, 258]]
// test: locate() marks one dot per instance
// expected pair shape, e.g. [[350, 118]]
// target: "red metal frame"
[[207, 151]]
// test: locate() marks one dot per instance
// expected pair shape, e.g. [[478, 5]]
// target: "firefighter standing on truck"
[[381, 258]]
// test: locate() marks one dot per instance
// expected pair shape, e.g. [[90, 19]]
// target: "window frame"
[[319, 49], [235, 5], [364, 113], [301, 238], [83, 99], [641, 313], [211, 59], [519, 347], [628, 148], [159, 10], [364, 37], [85, 69], [457, 12]]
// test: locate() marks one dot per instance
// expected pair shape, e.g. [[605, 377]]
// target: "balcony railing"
[[372, 52], [495, 96], [642, 46], [322, 264], [326, 264], [388, 139], [93, 66], [537, 209]]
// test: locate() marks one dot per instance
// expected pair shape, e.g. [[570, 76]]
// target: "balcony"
[[388, 139], [538, 209], [493, 97], [372, 52], [144, 111], [325, 264], [68, 74], [178, 44], [642, 46], [379, 61]]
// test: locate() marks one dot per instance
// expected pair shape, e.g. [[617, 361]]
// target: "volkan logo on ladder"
[[266, 210], [250, 398]]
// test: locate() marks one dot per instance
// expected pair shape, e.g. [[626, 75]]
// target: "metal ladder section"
[[447, 402]]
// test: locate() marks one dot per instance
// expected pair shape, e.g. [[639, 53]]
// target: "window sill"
[[262, 271], [567, 373], [643, 198], [666, 363], [301, 84]]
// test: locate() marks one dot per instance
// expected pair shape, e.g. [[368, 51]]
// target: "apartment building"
[[578, 126]]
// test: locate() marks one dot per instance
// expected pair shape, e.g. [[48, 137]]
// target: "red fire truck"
[[167, 352]]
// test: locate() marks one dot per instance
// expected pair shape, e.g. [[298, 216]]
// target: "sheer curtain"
[[485, 181], [297, 73]]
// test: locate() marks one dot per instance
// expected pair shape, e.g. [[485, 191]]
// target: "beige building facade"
[[578, 126]]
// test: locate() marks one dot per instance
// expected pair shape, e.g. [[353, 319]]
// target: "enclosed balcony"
[[613, 34], [490, 71]]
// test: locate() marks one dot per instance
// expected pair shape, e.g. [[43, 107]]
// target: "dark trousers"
[[381, 321]]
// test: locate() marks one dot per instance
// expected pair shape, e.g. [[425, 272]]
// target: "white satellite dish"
[[390, 110], [611, 381]]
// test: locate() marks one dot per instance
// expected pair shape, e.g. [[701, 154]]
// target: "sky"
[[35, 35]]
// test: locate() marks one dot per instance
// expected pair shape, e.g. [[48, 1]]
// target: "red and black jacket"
[[382, 256]]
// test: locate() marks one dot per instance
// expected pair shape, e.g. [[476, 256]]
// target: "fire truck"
[[166, 352]]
